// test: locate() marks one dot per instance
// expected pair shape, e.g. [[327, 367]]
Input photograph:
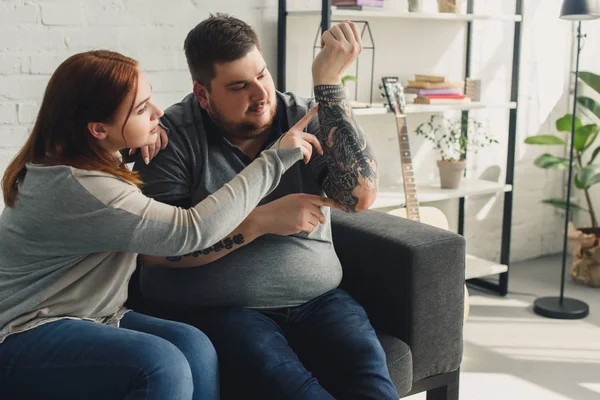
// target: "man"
[[267, 294]]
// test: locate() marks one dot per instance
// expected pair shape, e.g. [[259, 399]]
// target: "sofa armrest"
[[410, 278]]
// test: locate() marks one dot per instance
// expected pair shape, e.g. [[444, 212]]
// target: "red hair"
[[87, 87]]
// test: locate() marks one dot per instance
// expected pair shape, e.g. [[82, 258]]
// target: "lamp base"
[[552, 308]]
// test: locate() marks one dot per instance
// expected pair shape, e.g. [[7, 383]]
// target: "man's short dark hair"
[[220, 38]]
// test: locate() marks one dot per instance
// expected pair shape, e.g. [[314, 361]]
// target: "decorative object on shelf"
[[450, 6], [473, 89], [415, 5], [562, 307], [446, 135], [586, 174], [428, 215]]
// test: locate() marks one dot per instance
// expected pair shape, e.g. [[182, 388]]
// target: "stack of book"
[[358, 4], [434, 89]]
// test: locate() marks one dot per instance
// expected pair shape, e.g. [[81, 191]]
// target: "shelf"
[[378, 109], [389, 198], [354, 14], [478, 267], [394, 197]]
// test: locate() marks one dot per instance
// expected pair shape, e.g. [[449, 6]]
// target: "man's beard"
[[241, 130]]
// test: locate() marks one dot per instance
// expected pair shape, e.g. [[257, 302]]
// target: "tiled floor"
[[513, 354]]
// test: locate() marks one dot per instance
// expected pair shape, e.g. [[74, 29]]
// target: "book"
[[425, 100], [430, 78], [360, 8], [425, 92], [445, 96], [357, 3], [435, 85]]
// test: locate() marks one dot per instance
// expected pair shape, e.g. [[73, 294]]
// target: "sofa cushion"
[[399, 361]]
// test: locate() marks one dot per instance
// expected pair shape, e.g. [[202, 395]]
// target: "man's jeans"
[[323, 349], [146, 358]]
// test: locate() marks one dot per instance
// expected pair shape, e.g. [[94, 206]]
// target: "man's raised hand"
[[340, 46]]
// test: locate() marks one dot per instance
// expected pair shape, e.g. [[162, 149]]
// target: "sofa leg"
[[448, 392]]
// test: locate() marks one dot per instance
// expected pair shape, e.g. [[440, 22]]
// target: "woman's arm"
[[245, 233], [291, 214], [130, 221]]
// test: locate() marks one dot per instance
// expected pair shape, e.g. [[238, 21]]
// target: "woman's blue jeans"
[[145, 358]]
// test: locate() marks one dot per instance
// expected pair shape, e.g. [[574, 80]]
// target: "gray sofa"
[[410, 278]]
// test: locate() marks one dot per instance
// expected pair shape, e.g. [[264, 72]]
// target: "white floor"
[[513, 354]]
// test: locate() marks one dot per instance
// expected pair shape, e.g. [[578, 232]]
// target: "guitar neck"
[[408, 175]]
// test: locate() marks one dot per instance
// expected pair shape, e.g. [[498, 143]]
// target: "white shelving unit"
[[352, 14], [394, 197], [379, 109], [478, 267]]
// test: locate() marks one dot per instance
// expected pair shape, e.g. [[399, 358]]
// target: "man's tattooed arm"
[[352, 171]]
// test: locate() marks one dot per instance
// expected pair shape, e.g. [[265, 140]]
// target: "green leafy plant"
[[446, 135], [348, 78], [586, 174]]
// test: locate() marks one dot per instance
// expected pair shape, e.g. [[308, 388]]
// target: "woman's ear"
[[201, 94], [97, 130]]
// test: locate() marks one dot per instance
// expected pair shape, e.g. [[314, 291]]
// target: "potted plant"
[[586, 172], [447, 137], [345, 80]]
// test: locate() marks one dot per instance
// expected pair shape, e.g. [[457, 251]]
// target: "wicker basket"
[[585, 248]]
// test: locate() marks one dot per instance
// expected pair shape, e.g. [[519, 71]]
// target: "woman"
[[69, 236]]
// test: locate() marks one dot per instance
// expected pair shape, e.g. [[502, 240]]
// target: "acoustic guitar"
[[394, 92]]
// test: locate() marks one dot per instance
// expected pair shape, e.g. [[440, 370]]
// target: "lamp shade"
[[579, 10]]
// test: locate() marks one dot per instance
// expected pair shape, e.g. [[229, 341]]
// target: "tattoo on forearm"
[[350, 160], [226, 243]]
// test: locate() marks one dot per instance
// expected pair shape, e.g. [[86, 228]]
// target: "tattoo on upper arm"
[[228, 243], [350, 161]]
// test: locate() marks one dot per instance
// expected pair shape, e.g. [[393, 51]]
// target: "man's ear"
[[201, 93], [97, 130]]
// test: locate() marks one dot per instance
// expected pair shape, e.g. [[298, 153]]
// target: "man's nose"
[[259, 93]]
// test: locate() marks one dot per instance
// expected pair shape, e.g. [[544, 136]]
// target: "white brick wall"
[[13, 12], [8, 114], [37, 35]]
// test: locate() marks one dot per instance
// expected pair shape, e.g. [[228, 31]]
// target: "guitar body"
[[427, 215]]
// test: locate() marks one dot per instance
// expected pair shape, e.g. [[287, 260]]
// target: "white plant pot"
[[451, 173]]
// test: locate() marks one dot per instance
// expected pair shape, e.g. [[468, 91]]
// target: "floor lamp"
[[563, 307]]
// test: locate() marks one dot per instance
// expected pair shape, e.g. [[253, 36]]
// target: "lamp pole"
[[570, 176], [563, 307]]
